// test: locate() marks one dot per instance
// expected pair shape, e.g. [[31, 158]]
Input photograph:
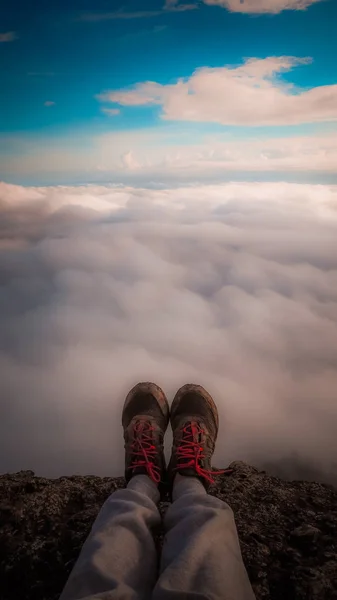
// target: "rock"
[[305, 533], [305, 538], [287, 529]]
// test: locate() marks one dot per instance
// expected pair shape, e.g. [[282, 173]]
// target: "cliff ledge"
[[288, 531]]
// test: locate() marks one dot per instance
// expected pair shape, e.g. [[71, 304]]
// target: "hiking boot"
[[195, 423], [145, 418]]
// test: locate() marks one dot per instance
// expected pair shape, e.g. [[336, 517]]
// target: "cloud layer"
[[250, 95], [231, 286]]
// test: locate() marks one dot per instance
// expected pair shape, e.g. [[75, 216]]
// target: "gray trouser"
[[201, 555]]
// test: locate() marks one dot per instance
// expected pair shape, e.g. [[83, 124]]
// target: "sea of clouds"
[[232, 286]]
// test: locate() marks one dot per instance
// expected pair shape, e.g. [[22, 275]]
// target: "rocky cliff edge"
[[288, 531]]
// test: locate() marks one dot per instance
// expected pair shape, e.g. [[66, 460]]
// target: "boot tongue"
[[191, 432]]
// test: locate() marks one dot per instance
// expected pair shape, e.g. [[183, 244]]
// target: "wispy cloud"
[[154, 154], [181, 7], [261, 6], [114, 15], [49, 103], [111, 112], [159, 28], [239, 6], [252, 94], [170, 6], [157, 155], [8, 36]]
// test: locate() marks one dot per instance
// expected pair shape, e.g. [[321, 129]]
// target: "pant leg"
[[119, 560], [201, 556]]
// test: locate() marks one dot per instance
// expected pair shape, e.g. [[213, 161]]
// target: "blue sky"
[[58, 59]]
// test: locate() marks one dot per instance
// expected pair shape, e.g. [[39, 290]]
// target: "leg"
[[119, 559], [201, 555]]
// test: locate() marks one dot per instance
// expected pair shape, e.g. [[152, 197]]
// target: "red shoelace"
[[144, 450], [191, 452]]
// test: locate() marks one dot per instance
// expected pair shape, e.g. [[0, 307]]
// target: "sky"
[[196, 90], [168, 213]]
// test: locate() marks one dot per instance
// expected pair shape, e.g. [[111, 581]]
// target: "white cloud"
[[262, 6], [8, 36], [49, 103], [157, 154], [252, 94], [231, 286], [129, 161], [111, 112]]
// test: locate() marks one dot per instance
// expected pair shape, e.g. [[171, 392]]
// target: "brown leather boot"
[[195, 423], [145, 418]]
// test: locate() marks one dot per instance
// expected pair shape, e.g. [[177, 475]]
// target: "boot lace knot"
[[191, 452]]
